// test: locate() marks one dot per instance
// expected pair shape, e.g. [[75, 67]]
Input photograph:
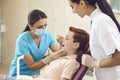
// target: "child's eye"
[[66, 39], [72, 7]]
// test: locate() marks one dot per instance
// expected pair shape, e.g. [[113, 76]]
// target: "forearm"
[[46, 60], [109, 62], [112, 61], [6, 77], [32, 64], [64, 79], [37, 65]]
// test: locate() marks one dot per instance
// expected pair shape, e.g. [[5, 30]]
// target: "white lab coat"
[[104, 40]]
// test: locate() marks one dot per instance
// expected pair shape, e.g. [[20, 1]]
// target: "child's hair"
[[82, 37], [104, 6]]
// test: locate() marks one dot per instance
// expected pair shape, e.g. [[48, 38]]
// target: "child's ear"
[[76, 45], [82, 3]]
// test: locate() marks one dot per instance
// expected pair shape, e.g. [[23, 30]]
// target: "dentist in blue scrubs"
[[33, 43]]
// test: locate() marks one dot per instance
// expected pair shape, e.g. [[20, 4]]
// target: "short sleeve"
[[69, 69], [22, 49], [106, 36]]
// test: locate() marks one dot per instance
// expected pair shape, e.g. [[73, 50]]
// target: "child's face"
[[69, 41]]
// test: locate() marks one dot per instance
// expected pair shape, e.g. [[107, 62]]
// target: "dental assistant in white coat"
[[104, 38]]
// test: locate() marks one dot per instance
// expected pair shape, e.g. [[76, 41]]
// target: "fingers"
[[59, 53], [85, 59], [90, 62], [60, 39], [86, 56], [35, 76], [61, 50], [53, 56], [63, 54]]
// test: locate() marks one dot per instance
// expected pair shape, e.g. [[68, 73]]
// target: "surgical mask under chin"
[[40, 32]]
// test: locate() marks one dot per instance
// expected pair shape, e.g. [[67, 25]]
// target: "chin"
[[63, 48], [81, 16]]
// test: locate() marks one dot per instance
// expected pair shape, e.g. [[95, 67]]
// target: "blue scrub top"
[[26, 45]]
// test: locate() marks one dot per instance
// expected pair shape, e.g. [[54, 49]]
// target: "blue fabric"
[[9, 78], [25, 45]]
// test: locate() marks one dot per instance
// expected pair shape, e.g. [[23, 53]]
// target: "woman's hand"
[[58, 54], [88, 61], [60, 39], [54, 56], [35, 76]]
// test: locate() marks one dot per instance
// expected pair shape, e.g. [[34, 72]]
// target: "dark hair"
[[82, 37], [33, 17], [105, 8]]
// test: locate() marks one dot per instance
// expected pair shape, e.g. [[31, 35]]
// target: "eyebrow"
[[40, 26], [66, 36]]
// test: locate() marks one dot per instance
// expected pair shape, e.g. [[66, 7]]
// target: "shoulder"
[[23, 36], [104, 18], [72, 62], [49, 35], [103, 21]]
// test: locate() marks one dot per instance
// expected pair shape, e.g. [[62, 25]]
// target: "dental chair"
[[80, 73], [82, 69], [77, 76], [21, 77]]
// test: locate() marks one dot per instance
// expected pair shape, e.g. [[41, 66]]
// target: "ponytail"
[[33, 17], [105, 8], [26, 28]]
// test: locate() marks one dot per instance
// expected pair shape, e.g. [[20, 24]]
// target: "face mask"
[[40, 32]]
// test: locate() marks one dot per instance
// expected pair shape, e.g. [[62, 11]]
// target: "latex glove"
[[36, 75], [88, 61], [60, 40], [53, 56]]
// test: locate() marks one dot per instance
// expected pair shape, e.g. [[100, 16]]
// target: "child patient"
[[65, 67]]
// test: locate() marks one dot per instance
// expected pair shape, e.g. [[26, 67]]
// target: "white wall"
[[14, 16], [60, 15], [65, 18], [0, 33], [118, 16]]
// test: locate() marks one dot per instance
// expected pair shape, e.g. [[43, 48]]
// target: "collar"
[[71, 57], [95, 13]]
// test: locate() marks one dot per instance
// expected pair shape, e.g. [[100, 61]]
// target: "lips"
[[62, 45]]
